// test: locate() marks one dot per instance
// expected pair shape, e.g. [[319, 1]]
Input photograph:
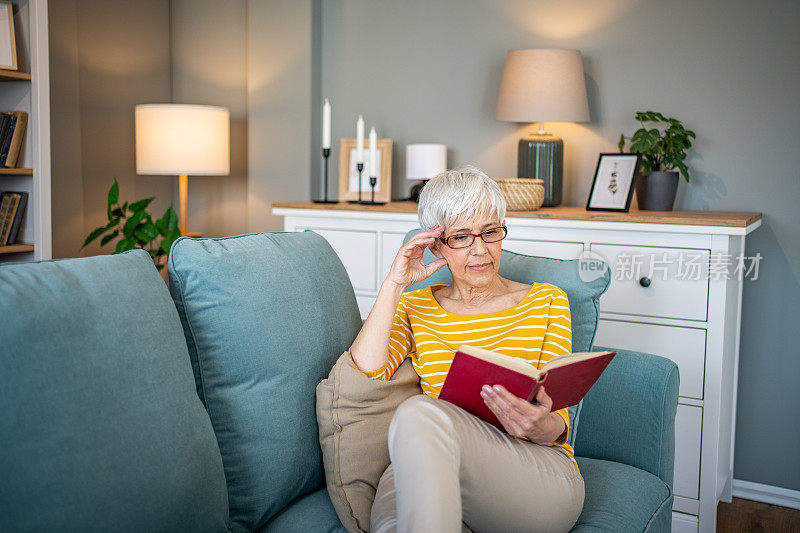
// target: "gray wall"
[[422, 71], [105, 58], [279, 92], [252, 56], [65, 129], [209, 66]]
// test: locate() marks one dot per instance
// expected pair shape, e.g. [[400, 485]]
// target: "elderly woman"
[[451, 471]]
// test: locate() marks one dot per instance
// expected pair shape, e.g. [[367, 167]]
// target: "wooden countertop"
[[735, 219]]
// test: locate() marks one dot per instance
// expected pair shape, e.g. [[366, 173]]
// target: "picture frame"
[[614, 182], [348, 174], [8, 40]]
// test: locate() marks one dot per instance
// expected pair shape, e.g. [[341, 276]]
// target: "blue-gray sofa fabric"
[[101, 428], [265, 316], [108, 431]]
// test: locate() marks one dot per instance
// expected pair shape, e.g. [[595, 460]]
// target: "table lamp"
[[182, 139], [424, 161], [543, 85]]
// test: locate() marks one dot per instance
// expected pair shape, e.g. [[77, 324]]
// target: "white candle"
[[326, 124], [373, 153], [360, 140]]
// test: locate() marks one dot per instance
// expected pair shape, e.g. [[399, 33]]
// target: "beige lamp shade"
[[182, 139], [543, 85]]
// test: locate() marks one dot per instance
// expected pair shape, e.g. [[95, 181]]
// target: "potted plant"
[[136, 229], [663, 156]]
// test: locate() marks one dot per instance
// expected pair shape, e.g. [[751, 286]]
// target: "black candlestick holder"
[[326, 152], [360, 168], [373, 180]]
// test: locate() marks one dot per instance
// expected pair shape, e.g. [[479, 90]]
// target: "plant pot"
[[656, 191]]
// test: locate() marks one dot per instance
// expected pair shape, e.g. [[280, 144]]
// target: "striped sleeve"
[[401, 344], [558, 335], [557, 342]]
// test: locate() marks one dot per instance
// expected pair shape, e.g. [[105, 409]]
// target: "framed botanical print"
[[614, 181], [348, 172]]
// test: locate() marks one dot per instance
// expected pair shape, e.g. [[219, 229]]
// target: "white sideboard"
[[659, 307]]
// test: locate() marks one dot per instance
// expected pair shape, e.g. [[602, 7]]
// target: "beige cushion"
[[353, 413]]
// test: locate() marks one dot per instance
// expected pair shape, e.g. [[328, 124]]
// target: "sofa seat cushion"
[[312, 512], [265, 317], [101, 428], [622, 498]]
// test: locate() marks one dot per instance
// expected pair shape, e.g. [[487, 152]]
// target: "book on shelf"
[[12, 132], [12, 211], [566, 379], [5, 127], [17, 135]]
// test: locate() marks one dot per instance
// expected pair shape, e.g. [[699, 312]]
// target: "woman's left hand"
[[523, 419]]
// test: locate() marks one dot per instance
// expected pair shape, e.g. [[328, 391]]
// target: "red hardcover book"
[[567, 378]]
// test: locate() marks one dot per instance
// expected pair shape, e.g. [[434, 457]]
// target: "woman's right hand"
[[408, 267]]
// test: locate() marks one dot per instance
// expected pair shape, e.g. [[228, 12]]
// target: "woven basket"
[[522, 194]]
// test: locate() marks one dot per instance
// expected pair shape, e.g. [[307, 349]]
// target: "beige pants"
[[453, 472]]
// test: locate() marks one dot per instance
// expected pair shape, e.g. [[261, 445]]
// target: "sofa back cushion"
[[101, 426], [265, 317]]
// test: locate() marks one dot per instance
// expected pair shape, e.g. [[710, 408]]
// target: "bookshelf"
[[13, 75], [16, 171], [28, 89], [16, 248]]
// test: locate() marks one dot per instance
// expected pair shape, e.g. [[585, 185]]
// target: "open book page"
[[524, 367], [571, 358]]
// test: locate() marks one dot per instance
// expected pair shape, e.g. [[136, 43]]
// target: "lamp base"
[[325, 201], [413, 195], [541, 155]]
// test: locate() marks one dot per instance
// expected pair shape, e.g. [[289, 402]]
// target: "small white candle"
[[373, 153], [360, 140], [326, 124]]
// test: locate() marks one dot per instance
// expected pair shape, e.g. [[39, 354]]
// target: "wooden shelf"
[[13, 75], [16, 171], [702, 218], [16, 248]]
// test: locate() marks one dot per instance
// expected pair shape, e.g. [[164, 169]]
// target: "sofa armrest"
[[628, 416]]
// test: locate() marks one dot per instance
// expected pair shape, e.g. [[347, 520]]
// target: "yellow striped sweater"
[[537, 329]]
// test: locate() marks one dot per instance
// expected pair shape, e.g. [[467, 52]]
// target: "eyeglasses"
[[465, 240]]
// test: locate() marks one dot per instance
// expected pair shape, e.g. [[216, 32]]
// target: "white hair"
[[465, 191]]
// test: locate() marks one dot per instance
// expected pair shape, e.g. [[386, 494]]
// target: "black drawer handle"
[[644, 281]]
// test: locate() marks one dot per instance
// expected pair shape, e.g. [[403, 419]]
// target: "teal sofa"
[[131, 407]]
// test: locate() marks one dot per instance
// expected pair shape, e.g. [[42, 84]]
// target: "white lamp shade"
[[424, 161], [182, 139], [543, 85]]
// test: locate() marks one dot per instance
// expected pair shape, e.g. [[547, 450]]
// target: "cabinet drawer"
[[358, 252], [685, 346], [688, 428], [390, 245], [678, 281], [365, 304], [554, 249], [684, 523]]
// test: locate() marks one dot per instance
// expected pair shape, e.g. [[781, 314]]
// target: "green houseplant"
[[663, 144], [136, 228]]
